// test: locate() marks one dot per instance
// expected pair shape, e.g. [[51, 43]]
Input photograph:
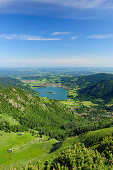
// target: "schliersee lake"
[[57, 93]]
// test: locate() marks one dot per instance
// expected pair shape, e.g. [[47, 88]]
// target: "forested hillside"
[[48, 116], [93, 79], [103, 89], [9, 81]]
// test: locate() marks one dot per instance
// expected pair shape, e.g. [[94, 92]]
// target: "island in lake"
[[50, 92]]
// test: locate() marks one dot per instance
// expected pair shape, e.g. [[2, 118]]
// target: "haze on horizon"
[[47, 33]]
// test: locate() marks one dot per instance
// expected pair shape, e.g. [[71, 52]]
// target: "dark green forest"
[[103, 89]]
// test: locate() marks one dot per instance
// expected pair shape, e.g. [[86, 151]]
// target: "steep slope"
[[42, 114], [104, 90]]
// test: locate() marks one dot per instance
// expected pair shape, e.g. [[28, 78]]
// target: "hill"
[[9, 82], [46, 115], [86, 80], [103, 89], [93, 79]]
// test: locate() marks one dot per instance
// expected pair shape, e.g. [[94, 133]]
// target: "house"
[[21, 134], [10, 150]]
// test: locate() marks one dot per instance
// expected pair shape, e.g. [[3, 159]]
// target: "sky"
[[53, 33]]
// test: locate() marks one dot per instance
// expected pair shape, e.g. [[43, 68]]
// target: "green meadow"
[[88, 103], [73, 92], [25, 148]]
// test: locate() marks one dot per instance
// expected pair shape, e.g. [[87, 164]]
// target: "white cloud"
[[74, 37], [83, 4], [101, 36], [26, 37], [61, 33]]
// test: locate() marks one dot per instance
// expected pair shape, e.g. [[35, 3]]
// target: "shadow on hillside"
[[55, 147]]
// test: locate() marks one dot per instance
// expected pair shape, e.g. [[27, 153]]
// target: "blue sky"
[[55, 33]]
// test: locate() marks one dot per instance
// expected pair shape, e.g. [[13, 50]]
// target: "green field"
[[71, 103], [88, 103], [73, 92], [42, 81], [25, 148]]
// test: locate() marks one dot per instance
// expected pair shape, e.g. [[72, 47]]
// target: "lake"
[[57, 93]]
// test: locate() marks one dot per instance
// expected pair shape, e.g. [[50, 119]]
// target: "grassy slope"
[[30, 148], [26, 147]]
